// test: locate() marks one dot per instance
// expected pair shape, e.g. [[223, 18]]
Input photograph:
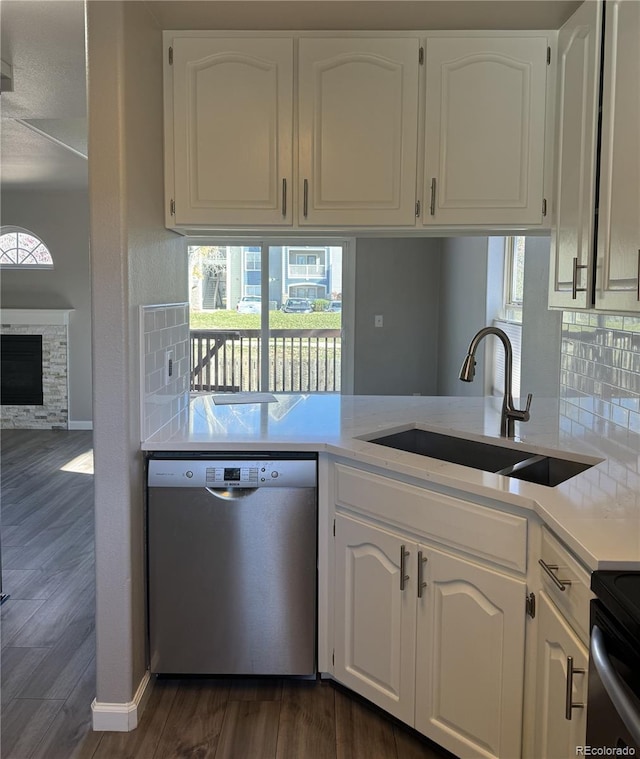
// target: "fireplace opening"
[[21, 370]]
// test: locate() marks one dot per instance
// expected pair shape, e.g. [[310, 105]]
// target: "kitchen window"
[[514, 278], [511, 317], [268, 317]]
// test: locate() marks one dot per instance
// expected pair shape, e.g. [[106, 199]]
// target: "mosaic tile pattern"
[[600, 370]]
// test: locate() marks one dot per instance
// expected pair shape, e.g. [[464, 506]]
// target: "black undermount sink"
[[546, 470], [511, 462]]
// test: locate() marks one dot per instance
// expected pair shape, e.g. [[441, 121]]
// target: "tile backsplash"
[[600, 369], [164, 338]]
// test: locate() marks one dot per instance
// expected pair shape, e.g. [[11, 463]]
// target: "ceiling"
[[44, 121]]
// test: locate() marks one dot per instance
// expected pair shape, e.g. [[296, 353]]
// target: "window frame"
[[21, 265], [348, 245], [511, 306]]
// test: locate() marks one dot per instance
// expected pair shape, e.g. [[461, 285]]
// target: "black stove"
[[619, 593], [613, 708]]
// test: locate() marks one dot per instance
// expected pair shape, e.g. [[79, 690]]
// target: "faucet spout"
[[468, 370], [510, 414]]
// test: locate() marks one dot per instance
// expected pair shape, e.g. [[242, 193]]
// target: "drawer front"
[[496, 536], [574, 600]]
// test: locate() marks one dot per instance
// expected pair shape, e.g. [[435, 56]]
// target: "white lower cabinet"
[[561, 693], [375, 618], [561, 654], [431, 637], [470, 657]]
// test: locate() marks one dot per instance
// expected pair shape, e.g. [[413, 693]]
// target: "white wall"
[[61, 220], [135, 261], [398, 279]]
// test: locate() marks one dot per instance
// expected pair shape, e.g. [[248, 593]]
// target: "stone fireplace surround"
[[52, 324]]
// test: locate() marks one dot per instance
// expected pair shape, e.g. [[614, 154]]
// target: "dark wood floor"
[[48, 648]]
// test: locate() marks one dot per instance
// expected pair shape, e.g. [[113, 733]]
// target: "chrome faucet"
[[510, 414]]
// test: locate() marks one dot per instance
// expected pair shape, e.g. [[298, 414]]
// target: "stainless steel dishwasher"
[[232, 558]]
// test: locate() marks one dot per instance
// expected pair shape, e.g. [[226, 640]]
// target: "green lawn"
[[277, 320]]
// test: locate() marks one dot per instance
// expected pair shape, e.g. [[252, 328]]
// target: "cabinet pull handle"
[[305, 198], [422, 560], [568, 703], [403, 568], [638, 288], [574, 284], [284, 196], [432, 204], [551, 569]]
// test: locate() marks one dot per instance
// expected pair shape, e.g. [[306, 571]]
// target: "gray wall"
[[463, 311], [135, 261], [399, 279], [471, 297], [541, 328], [61, 220]]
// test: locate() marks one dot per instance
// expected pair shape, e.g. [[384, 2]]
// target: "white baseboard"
[[79, 425], [122, 718]]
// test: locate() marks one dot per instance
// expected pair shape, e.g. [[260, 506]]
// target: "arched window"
[[21, 249]]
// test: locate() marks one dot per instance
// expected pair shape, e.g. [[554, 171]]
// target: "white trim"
[[142, 357], [80, 425], [348, 320], [122, 718], [36, 316]]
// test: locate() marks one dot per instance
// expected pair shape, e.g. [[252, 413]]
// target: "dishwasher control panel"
[[203, 473]]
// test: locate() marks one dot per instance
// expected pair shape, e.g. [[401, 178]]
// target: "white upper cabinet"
[[484, 130], [572, 236], [302, 130], [618, 258], [358, 130], [229, 119]]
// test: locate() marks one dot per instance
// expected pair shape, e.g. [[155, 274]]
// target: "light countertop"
[[596, 513]]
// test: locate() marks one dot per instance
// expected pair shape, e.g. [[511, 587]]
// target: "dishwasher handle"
[[231, 494]]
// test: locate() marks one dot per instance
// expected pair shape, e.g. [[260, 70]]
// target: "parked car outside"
[[297, 306], [249, 304], [335, 306]]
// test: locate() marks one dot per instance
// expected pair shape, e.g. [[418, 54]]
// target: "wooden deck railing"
[[304, 361]]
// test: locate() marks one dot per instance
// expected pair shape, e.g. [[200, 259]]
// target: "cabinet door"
[[375, 620], [232, 130], [484, 130], [618, 257], [358, 124], [556, 737], [572, 233], [470, 658]]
